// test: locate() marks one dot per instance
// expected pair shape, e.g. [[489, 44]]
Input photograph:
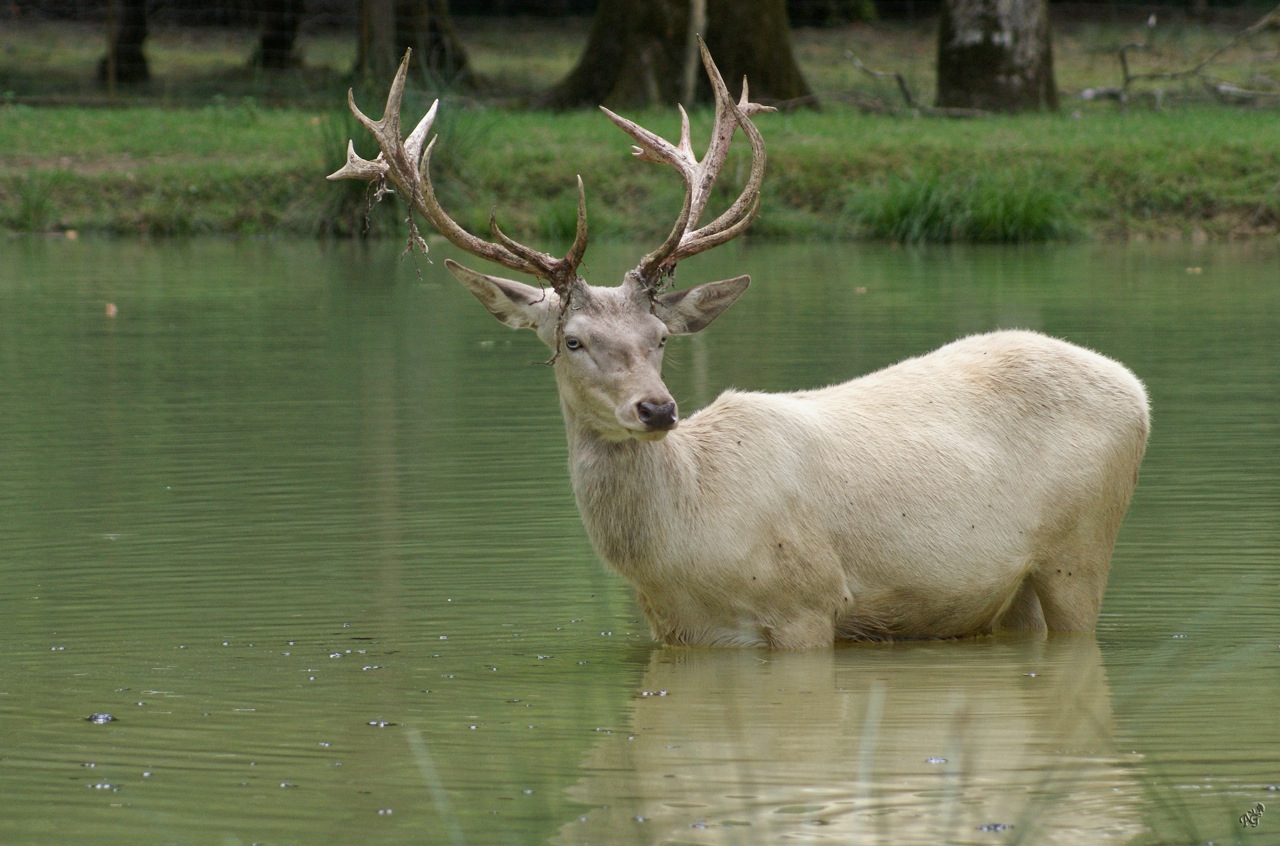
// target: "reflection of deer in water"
[[907, 744], [975, 488]]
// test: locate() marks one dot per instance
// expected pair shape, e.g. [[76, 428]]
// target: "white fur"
[[978, 487]]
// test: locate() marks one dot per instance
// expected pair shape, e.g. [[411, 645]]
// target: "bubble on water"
[[994, 827], [381, 723], [99, 719], [935, 760]]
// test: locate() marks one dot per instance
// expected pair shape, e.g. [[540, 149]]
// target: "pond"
[[298, 518]]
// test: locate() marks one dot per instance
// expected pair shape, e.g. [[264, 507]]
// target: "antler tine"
[[654, 148], [729, 116], [699, 176], [407, 163], [738, 216], [579, 247]]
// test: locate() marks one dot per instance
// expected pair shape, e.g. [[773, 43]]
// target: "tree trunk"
[[127, 31], [637, 54], [280, 20], [996, 55], [753, 39], [389, 27]]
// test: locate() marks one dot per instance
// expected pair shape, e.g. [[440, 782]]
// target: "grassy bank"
[[233, 165], [1200, 172]]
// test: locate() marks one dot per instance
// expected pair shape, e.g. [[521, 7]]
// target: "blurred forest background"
[[526, 52], [174, 117]]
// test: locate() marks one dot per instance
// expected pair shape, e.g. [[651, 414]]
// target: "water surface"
[[298, 518]]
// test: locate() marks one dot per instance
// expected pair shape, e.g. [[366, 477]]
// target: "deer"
[[975, 489]]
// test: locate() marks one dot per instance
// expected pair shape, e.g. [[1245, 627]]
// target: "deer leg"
[[662, 631], [804, 631], [1070, 593], [1070, 584], [1024, 613], [1071, 574]]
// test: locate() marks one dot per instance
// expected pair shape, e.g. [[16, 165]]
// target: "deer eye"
[[572, 343]]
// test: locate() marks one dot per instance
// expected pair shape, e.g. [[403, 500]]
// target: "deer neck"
[[632, 494]]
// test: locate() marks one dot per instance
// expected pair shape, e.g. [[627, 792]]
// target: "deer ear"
[[516, 304], [691, 309]]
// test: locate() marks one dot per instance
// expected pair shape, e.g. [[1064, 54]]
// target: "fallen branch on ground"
[[1223, 90], [912, 103]]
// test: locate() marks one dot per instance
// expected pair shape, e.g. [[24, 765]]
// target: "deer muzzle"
[[657, 416]]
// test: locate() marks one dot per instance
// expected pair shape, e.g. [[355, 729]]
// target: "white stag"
[[976, 488]]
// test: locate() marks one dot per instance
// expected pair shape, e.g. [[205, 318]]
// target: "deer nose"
[[656, 416]]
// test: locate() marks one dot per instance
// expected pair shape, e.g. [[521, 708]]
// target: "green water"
[[288, 493]]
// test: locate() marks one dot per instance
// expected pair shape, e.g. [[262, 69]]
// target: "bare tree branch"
[[909, 97], [1219, 88]]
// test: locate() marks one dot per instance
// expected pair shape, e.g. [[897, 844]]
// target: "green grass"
[[231, 163], [1017, 206], [1197, 172]]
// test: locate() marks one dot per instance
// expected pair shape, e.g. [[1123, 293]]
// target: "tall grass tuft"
[[34, 211], [1003, 207]]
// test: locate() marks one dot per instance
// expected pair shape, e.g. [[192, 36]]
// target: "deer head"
[[607, 342]]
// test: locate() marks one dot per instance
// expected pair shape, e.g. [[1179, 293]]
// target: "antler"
[[408, 166], [686, 239]]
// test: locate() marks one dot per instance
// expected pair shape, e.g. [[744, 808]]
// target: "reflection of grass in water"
[[1170, 815], [1163, 677], [427, 766], [867, 741]]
